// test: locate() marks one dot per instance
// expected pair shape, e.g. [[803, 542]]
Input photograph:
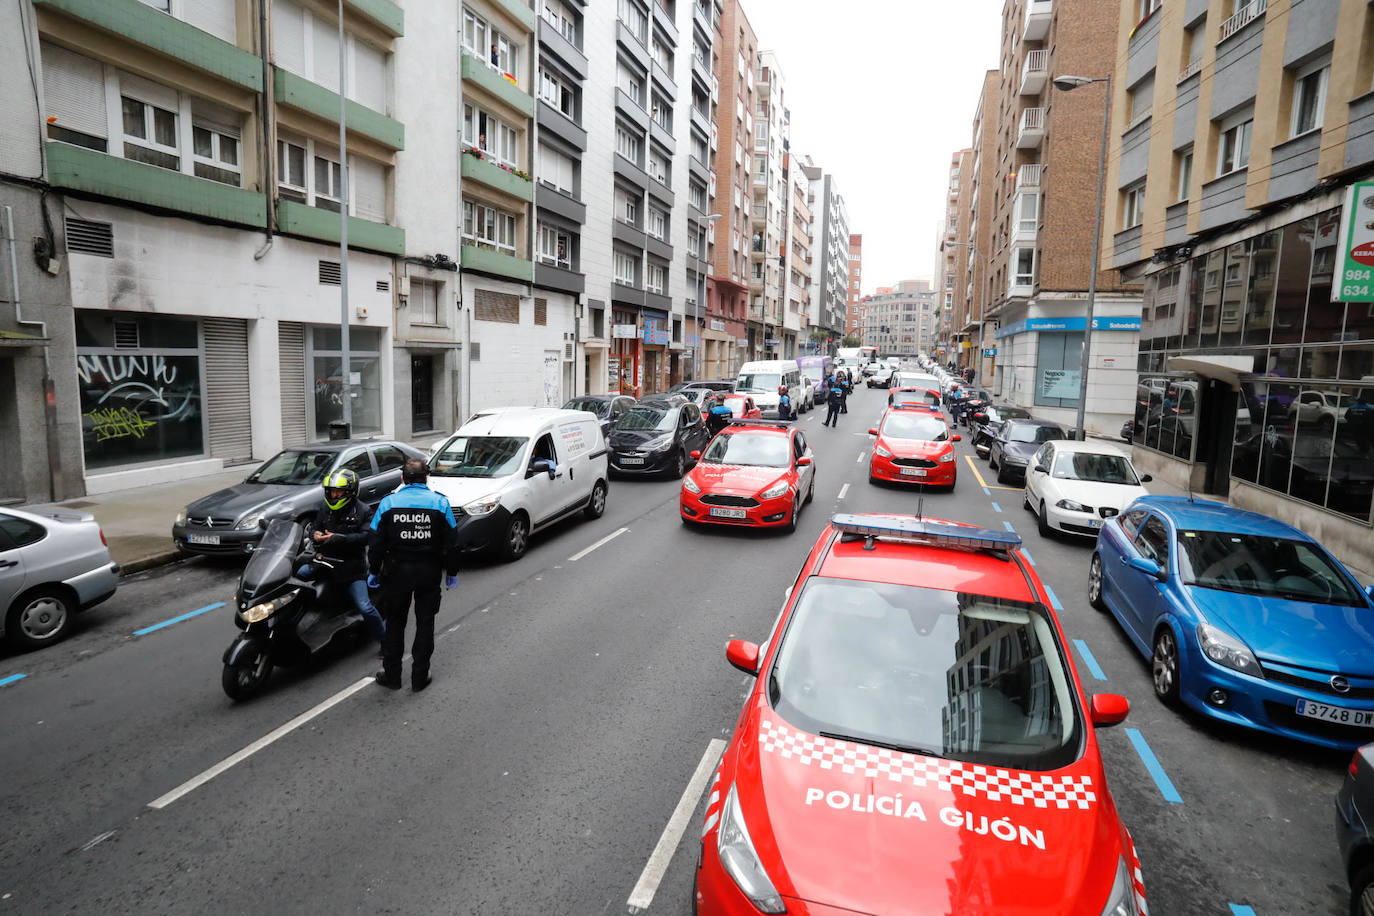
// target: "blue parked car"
[[1245, 619]]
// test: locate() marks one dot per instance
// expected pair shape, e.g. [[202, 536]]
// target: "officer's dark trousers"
[[832, 414], [419, 581]]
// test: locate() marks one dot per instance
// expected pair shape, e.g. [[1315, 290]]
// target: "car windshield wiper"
[[890, 745]]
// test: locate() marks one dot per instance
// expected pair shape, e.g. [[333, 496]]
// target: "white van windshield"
[[758, 381], [478, 456]]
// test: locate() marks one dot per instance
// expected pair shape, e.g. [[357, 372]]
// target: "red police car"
[[917, 741], [756, 473], [914, 445], [902, 396], [743, 407]]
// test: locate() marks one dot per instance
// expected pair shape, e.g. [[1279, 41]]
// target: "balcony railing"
[[1242, 18], [1193, 67], [1032, 129], [1035, 72], [1028, 175]]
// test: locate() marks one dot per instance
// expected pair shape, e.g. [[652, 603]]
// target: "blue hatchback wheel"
[[1095, 583], [1165, 666]]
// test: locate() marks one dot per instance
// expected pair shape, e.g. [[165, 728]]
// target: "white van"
[[510, 472], [762, 379]]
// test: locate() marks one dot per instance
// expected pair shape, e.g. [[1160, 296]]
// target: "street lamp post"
[[1068, 84], [696, 306]]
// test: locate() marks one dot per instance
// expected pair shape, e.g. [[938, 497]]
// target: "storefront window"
[[1290, 298], [366, 380], [1234, 291], [1260, 288], [1325, 319], [139, 378], [1057, 367]]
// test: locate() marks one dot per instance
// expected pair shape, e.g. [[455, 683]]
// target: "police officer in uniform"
[[412, 541]]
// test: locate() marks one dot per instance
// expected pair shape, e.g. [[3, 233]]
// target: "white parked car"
[[1075, 486], [53, 564]]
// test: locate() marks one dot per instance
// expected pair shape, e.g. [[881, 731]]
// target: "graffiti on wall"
[[139, 406]]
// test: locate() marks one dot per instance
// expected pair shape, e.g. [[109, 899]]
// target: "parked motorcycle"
[[285, 620]]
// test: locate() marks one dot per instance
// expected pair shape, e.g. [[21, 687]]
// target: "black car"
[[1354, 807], [288, 485], [987, 420], [657, 436], [608, 408], [1016, 442]]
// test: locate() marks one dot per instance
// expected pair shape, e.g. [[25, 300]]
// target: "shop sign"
[[1354, 280], [623, 332], [652, 335], [1059, 383], [772, 342], [717, 324], [742, 341], [613, 373], [989, 351]]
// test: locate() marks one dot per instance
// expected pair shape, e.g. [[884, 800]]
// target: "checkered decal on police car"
[[1137, 879], [951, 775], [713, 807]]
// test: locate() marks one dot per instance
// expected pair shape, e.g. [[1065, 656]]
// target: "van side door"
[[546, 491]]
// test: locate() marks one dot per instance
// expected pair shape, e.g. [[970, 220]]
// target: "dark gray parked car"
[[1016, 442], [657, 436], [607, 407], [1354, 809], [287, 485]]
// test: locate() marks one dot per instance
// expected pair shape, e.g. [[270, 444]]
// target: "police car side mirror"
[[956, 438], [1108, 709], [743, 655], [803, 461], [695, 455], [873, 430]]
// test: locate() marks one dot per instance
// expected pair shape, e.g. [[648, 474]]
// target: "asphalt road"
[[573, 701]]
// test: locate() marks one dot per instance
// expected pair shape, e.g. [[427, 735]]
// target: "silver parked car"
[[53, 563]]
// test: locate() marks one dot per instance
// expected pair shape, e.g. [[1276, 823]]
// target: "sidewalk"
[[138, 522]]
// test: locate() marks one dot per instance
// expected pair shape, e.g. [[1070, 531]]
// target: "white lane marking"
[[606, 540], [843, 490], [861, 457], [197, 781], [92, 843], [654, 869]]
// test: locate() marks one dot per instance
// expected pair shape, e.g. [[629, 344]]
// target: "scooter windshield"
[[271, 564]]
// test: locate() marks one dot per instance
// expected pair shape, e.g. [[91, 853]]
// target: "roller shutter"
[[228, 397], [291, 358]]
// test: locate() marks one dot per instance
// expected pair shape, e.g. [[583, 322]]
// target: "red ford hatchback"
[[914, 446]]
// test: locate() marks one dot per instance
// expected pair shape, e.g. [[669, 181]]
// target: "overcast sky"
[[881, 93]]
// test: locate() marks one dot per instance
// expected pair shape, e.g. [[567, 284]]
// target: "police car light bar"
[[935, 533], [779, 424]]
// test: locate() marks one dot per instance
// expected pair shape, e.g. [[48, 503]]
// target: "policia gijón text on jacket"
[[412, 541]]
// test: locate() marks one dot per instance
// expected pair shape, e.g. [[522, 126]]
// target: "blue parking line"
[[1240, 909], [996, 508], [1147, 757], [1025, 553], [1013, 531], [186, 616], [11, 679], [1093, 667], [986, 491], [1054, 599]]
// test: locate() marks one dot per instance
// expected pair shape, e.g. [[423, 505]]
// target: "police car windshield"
[[941, 673], [478, 456], [915, 426], [764, 450], [646, 418], [758, 381], [295, 467]]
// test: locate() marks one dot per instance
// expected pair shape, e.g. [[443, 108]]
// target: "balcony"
[[1028, 175], [1037, 23], [303, 95], [479, 73], [1243, 17], [1035, 72], [323, 225], [497, 263], [480, 167], [1032, 130]]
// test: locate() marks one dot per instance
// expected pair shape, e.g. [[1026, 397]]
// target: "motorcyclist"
[[340, 539]]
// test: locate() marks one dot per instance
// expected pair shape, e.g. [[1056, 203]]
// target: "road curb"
[[149, 561]]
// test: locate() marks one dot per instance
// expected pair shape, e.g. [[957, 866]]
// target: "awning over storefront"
[[1228, 369]]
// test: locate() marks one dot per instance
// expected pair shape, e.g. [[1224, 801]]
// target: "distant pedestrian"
[[784, 404], [413, 541], [834, 400]]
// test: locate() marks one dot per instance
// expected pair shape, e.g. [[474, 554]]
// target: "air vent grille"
[[90, 237], [329, 272], [567, 351], [383, 286], [126, 336], [476, 350]]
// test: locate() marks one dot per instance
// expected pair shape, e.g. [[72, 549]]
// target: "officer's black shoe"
[[419, 683], [390, 683]]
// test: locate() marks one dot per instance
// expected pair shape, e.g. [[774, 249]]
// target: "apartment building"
[[1036, 201], [898, 319], [978, 182], [768, 208], [1237, 129], [829, 255], [800, 232], [853, 314], [950, 258], [734, 62], [194, 162]]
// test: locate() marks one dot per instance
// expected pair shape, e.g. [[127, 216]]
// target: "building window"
[[491, 135], [563, 21], [1233, 152], [1185, 172], [488, 227], [1132, 204], [423, 302], [1309, 99], [150, 134], [291, 160], [629, 144], [328, 184], [658, 223], [1028, 210], [491, 46], [658, 279], [557, 170], [696, 195], [1057, 365], [1140, 99], [215, 151], [659, 168], [1023, 260], [555, 246], [626, 206], [661, 53], [635, 18], [626, 269], [558, 93]]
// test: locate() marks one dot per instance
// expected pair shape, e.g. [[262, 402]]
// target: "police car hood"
[[740, 479], [463, 490], [964, 839]]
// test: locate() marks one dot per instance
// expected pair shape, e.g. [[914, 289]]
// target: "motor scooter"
[[285, 620]]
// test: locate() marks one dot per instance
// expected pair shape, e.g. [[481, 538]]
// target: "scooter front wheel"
[[244, 680]]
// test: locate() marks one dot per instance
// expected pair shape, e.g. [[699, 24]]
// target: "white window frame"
[[1028, 222], [336, 181], [508, 50], [630, 82], [1018, 278], [556, 91], [1132, 206], [1320, 72], [660, 168], [635, 17], [419, 299], [150, 142], [218, 134], [658, 223], [558, 16], [629, 144], [656, 279], [552, 239], [503, 140], [551, 166], [1185, 173], [626, 267], [1239, 128], [492, 228], [283, 173]]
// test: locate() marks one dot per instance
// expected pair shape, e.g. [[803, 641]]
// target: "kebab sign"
[[1354, 280]]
